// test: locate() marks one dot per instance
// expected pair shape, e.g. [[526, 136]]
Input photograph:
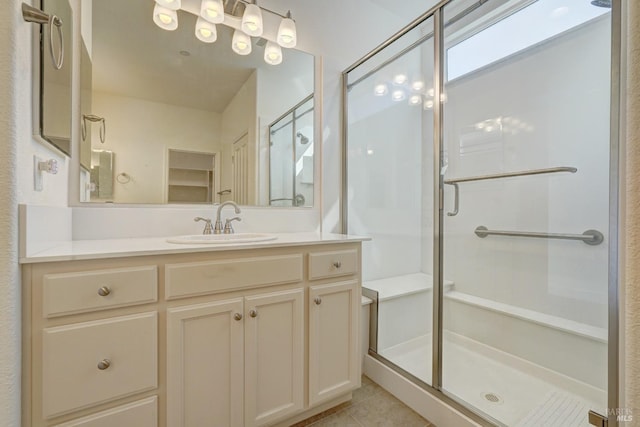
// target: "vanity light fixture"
[[399, 79], [417, 85], [206, 31], [170, 4], [165, 18], [272, 53], [250, 24], [252, 20], [241, 43], [415, 100], [287, 35], [212, 11]]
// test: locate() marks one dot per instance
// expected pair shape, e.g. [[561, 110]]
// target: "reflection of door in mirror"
[[55, 84], [240, 165], [291, 157]]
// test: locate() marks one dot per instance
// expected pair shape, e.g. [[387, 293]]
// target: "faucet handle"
[[207, 226], [228, 228]]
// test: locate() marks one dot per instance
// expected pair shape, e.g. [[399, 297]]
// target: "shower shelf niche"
[[457, 181]]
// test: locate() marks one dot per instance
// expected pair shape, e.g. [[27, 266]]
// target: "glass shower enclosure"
[[478, 158]]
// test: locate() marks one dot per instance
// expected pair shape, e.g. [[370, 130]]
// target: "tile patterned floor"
[[371, 406]]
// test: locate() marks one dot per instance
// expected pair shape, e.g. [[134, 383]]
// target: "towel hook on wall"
[[37, 16]]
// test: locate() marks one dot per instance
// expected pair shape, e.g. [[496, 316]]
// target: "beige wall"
[[631, 290]]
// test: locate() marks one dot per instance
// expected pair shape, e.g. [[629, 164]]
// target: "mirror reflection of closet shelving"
[[192, 177]]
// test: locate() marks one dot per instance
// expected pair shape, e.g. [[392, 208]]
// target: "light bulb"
[[206, 31], [380, 89], [272, 53], [399, 79], [398, 95], [287, 35], [241, 43], [417, 85], [167, 19], [170, 4], [415, 100], [212, 11], [252, 20]]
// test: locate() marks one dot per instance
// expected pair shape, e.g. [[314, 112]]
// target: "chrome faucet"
[[228, 229]]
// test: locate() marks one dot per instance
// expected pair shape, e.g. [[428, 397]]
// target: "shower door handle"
[[456, 199]]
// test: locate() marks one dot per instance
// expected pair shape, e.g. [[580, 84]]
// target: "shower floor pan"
[[511, 390]]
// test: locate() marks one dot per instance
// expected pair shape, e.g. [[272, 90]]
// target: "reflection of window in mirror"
[[55, 84], [165, 91], [291, 157]]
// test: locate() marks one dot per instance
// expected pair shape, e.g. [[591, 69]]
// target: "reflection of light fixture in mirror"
[[415, 100], [167, 19], [206, 31], [241, 43], [170, 4], [272, 53], [417, 85], [398, 95], [287, 35], [252, 20], [428, 104], [431, 92], [399, 79], [380, 89], [212, 11]]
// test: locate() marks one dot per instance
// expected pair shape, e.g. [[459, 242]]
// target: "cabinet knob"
[[317, 300], [104, 291], [237, 316], [104, 364], [337, 264], [253, 313]]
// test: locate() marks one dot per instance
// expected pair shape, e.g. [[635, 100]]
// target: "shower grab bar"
[[456, 181], [590, 237]]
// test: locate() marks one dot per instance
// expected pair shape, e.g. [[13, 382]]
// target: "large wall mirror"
[[190, 122]]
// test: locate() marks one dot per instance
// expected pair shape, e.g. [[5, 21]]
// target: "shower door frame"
[[616, 123]]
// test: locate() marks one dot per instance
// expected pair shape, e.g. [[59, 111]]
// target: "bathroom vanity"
[[254, 334]]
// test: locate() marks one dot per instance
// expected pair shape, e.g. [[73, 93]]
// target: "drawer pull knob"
[[337, 264], [237, 316], [104, 291], [253, 313], [317, 300], [104, 364]]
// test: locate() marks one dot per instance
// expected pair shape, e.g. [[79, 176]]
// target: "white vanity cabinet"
[[225, 353], [245, 337]]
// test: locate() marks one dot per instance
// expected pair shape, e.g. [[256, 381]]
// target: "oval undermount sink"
[[210, 239]]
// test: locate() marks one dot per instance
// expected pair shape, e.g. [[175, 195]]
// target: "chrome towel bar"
[[590, 237]]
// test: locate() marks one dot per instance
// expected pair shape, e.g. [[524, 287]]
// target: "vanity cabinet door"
[[333, 340], [205, 364], [274, 352]]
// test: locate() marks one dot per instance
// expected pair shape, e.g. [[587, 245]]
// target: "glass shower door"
[[526, 139], [391, 192]]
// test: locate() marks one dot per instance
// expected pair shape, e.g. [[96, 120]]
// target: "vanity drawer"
[[143, 413], [93, 362], [70, 293], [201, 278], [331, 264]]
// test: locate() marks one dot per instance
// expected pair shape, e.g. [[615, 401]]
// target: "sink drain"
[[492, 397]]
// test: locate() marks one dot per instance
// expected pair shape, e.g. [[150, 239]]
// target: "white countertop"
[[116, 248]]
